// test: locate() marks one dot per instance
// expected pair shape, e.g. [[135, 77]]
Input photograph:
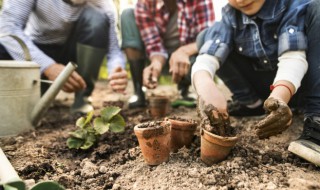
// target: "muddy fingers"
[[278, 120]]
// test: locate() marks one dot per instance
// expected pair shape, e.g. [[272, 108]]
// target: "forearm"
[[291, 69], [190, 49], [13, 21], [158, 61], [208, 91], [114, 54], [283, 90]]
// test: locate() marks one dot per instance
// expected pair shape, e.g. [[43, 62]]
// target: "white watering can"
[[21, 107]]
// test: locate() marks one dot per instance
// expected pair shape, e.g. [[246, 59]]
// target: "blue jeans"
[[92, 29], [248, 85]]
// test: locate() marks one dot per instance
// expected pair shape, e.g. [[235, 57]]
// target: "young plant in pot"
[[182, 132], [91, 128], [154, 141], [217, 135]]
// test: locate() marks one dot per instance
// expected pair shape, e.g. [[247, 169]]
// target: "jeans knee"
[[127, 13], [93, 27], [94, 19]]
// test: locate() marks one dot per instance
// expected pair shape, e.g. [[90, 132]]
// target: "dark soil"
[[116, 161]]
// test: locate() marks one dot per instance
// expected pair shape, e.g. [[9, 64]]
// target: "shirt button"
[[240, 48], [291, 30], [265, 61], [217, 41]]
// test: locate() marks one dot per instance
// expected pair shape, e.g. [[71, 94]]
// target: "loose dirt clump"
[[116, 161]]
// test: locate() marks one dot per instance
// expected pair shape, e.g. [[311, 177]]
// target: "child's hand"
[[212, 119], [278, 120]]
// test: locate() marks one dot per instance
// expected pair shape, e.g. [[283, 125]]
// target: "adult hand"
[[179, 65], [74, 82], [151, 74], [118, 80], [212, 119], [278, 120]]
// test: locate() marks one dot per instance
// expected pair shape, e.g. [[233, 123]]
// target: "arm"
[[292, 67], [180, 62], [118, 78], [150, 34], [152, 72], [13, 19]]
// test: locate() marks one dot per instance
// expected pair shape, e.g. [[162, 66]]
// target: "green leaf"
[[90, 140], [81, 122], [9, 187], [117, 124], [109, 112], [80, 134], [89, 117], [100, 126], [75, 142]]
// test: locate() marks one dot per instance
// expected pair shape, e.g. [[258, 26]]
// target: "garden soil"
[[116, 161]]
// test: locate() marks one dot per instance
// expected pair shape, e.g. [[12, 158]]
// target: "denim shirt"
[[278, 27]]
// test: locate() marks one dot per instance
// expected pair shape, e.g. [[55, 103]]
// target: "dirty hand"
[[179, 65], [212, 119], [278, 120], [74, 83], [118, 80], [151, 75]]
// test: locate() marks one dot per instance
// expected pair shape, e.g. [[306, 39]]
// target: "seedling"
[[90, 128]]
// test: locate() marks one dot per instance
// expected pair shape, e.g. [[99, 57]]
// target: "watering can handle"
[[24, 47]]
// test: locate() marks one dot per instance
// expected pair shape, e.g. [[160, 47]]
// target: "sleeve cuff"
[[205, 62]]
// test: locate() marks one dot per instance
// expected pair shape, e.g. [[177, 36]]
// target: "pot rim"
[[162, 124], [189, 125], [210, 136]]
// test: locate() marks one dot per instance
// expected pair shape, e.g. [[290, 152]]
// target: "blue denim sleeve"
[[292, 36], [216, 41]]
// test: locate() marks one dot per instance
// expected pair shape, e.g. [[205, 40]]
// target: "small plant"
[[92, 128]]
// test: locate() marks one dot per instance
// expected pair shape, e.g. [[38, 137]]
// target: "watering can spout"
[[44, 103]]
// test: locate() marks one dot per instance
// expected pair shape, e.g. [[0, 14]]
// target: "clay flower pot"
[[158, 106], [182, 132], [154, 141], [215, 148]]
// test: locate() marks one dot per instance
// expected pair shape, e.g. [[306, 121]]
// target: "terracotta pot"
[[158, 106], [154, 141], [215, 148], [182, 133]]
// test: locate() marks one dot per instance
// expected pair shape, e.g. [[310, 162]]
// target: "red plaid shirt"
[[152, 18]]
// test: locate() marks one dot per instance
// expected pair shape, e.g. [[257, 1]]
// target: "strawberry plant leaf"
[[80, 122], [79, 134], [90, 141], [74, 142], [89, 117], [109, 112], [100, 126], [117, 124]]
